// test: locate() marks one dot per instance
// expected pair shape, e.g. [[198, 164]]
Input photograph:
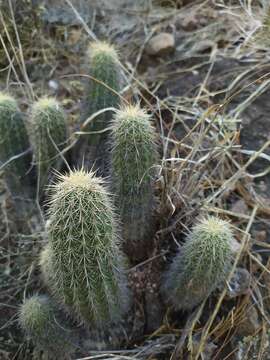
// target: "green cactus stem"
[[134, 154], [101, 92], [201, 265], [37, 318], [88, 267], [15, 157], [48, 136]]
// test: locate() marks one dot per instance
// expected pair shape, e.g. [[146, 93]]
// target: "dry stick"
[[211, 320], [9, 39], [21, 52], [11, 62]]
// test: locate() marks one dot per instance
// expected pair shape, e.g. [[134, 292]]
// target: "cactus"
[[133, 156], [37, 318], [14, 142], [48, 135], [201, 265], [101, 92], [87, 264], [46, 265]]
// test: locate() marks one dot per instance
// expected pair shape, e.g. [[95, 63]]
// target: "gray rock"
[[161, 44]]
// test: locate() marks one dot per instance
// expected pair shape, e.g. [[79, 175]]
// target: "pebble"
[[161, 44]]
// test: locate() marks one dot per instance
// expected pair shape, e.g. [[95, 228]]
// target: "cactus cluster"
[[201, 265], [86, 272], [15, 159], [83, 263], [48, 134], [134, 156], [37, 318], [102, 92]]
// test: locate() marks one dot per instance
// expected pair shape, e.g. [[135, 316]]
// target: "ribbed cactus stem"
[[15, 158], [201, 265], [134, 155], [86, 260], [37, 318], [101, 93], [48, 136]]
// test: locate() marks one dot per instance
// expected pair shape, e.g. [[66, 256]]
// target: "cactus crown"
[[46, 110], [7, 102], [133, 145], [101, 50], [80, 181], [207, 252], [35, 315], [86, 258]]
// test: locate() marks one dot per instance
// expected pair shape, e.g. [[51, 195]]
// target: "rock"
[[240, 207], [239, 283], [161, 44]]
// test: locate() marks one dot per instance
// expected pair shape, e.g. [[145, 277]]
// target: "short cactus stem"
[[201, 265], [133, 160], [86, 261], [102, 92], [48, 136], [37, 318], [15, 157], [46, 265]]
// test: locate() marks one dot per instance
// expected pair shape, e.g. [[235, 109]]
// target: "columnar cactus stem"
[[134, 155], [86, 261], [14, 148], [48, 135], [101, 92], [37, 318], [201, 265]]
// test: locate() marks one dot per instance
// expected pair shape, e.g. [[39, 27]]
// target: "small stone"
[[161, 44], [239, 284], [54, 85], [240, 207]]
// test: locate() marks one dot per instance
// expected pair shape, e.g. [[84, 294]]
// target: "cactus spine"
[[133, 156], [201, 265], [101, 92], [37, 318], [14, 142], [87, 265], [48, 135]]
